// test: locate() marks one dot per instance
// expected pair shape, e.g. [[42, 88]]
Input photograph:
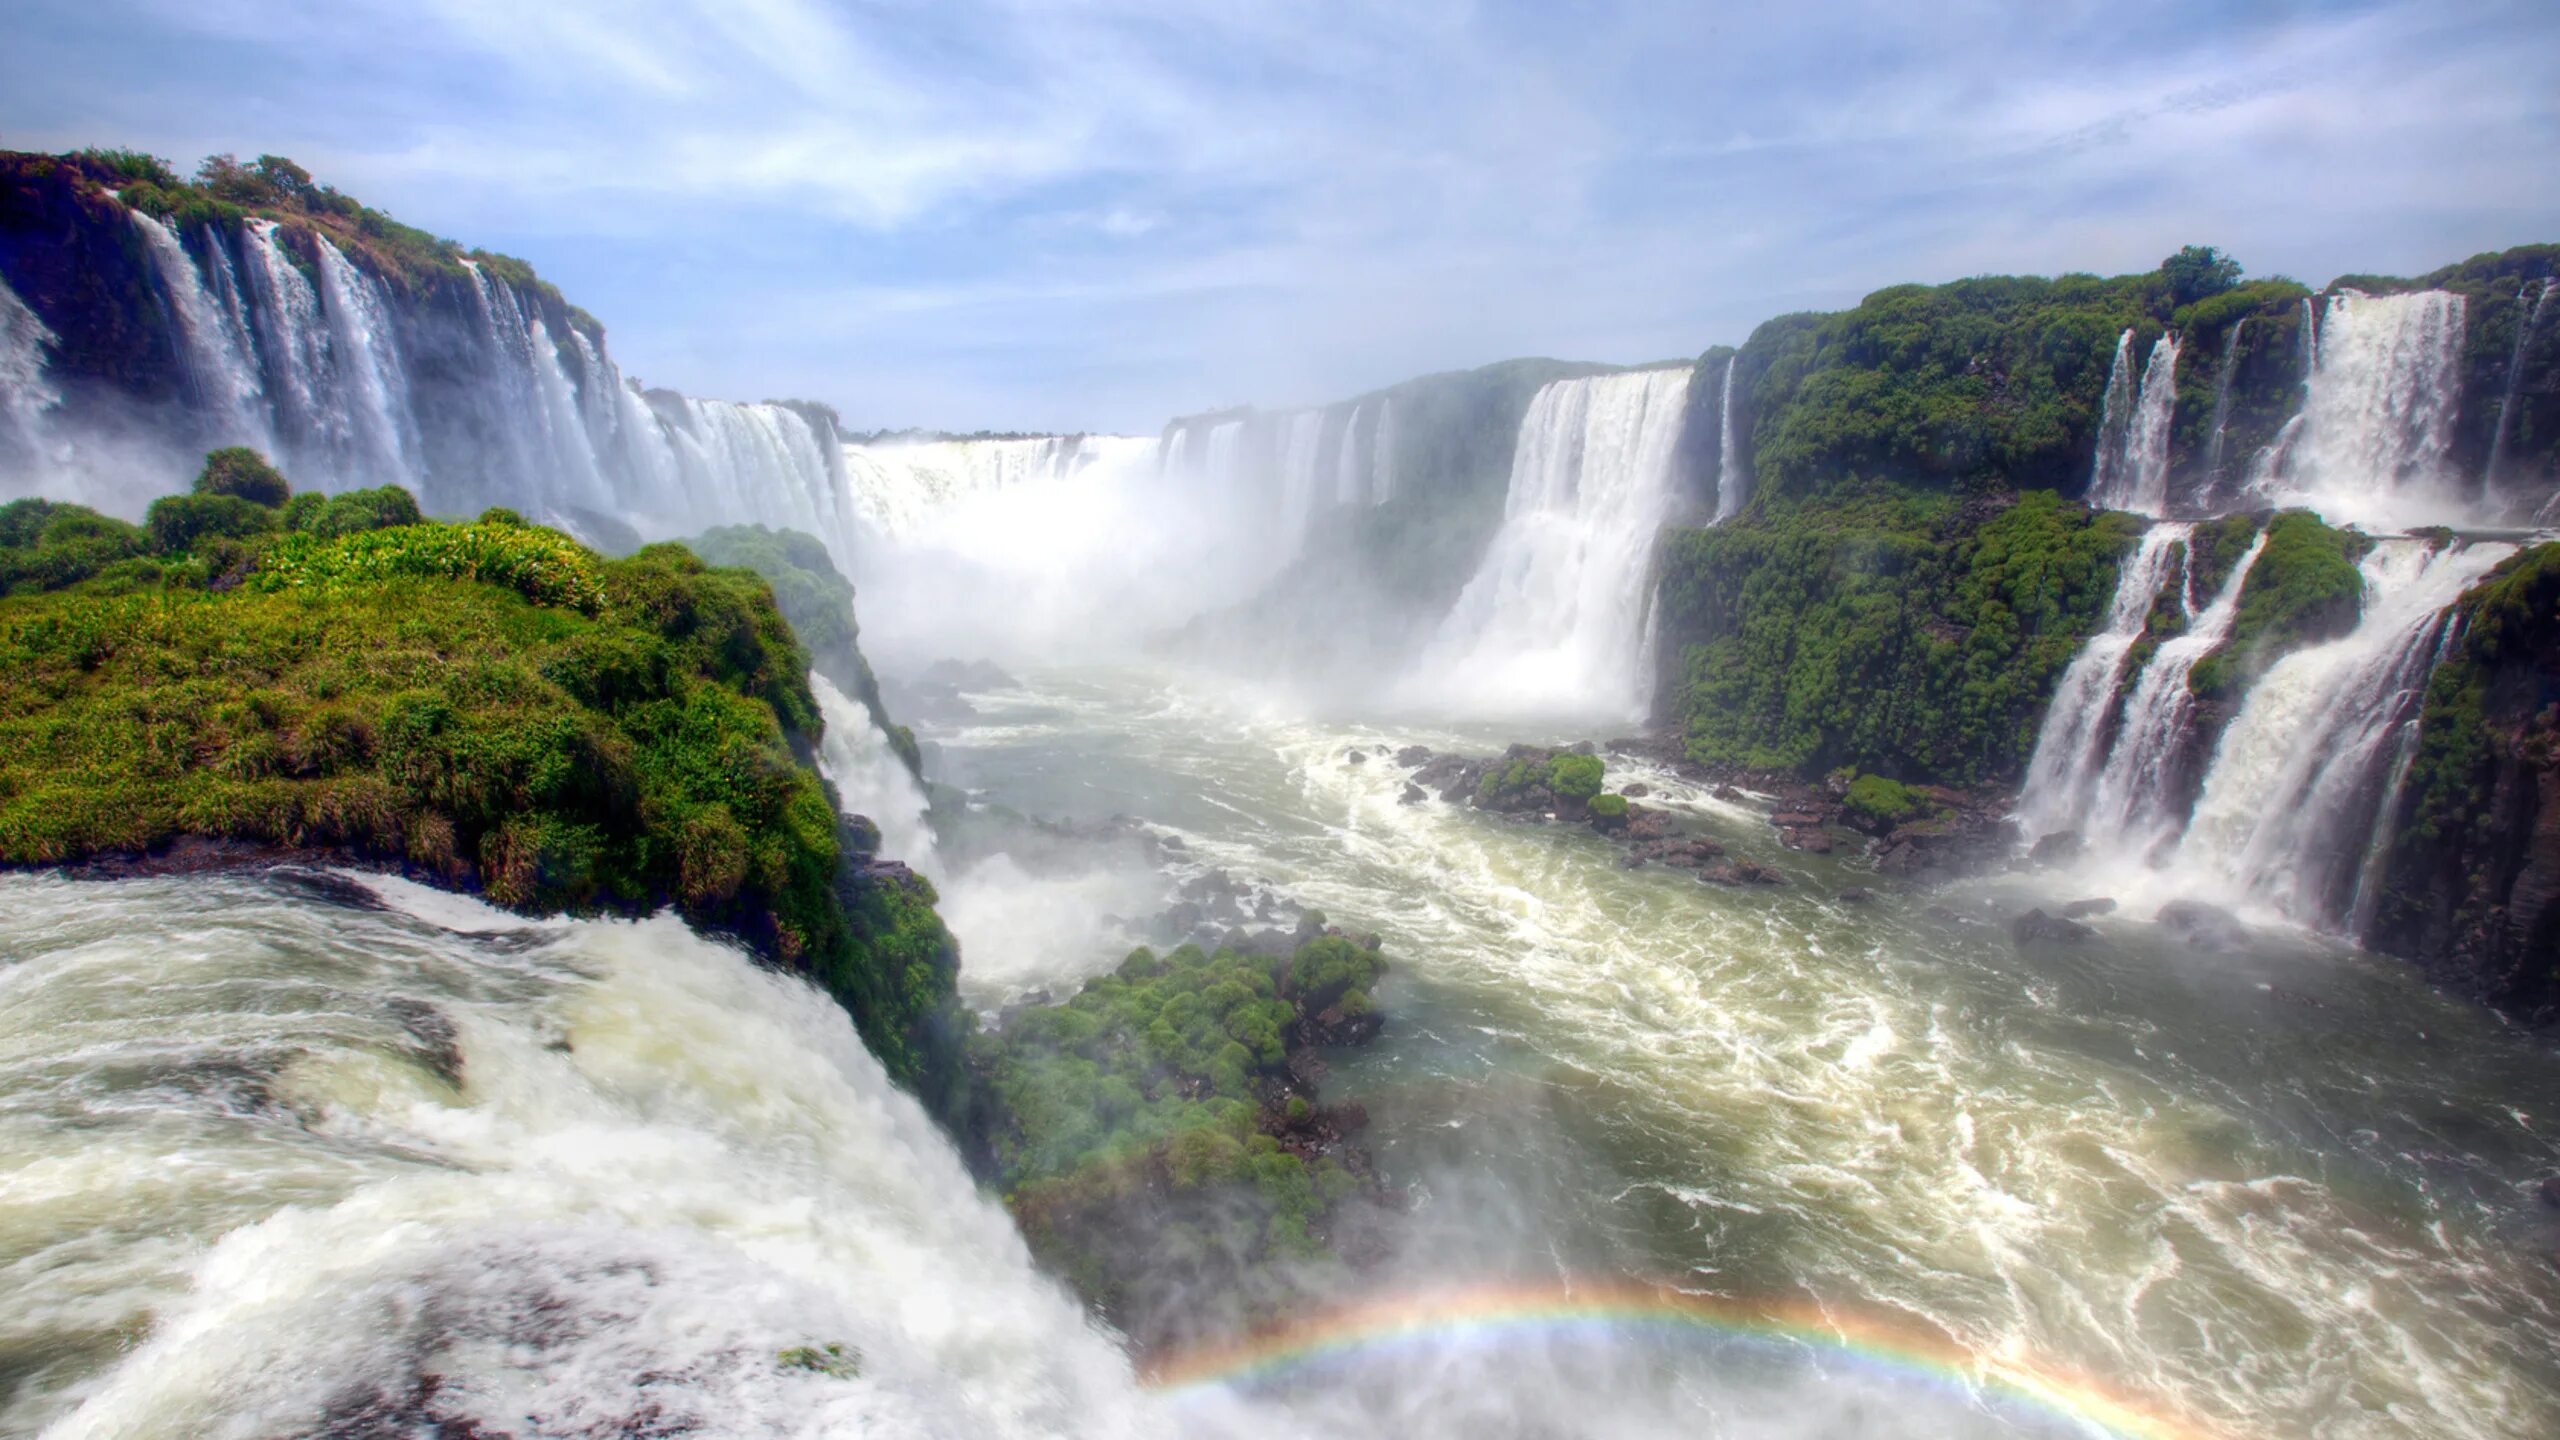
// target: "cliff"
[[489, 706]]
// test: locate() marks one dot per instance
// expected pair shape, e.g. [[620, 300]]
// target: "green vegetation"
[[241, 471], [1886, 802], [1575, 777], [818, 601], [2199, 271], [1147, 1119], [489, 704], [2303, 589], [835, 1360], [1607, 808], [1894, 629]]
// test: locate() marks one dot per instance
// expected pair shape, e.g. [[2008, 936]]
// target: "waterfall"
[[2300, 782], [367, 357], [2132, 469], [25, 394], [2378, 416], [2212, 479], [427, 1168], [1382, 455], [1350, 486], [2131, 800], [2068, 749], [1298, 466], [2114, 421], [214, 347], [2528, 321], [871, 781], [293, 342], [1553, 619], [900, 487], [1733, 488]]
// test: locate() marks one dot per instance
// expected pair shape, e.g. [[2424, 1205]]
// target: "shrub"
[[1608, 807], [45, 546], [241, 471], [544, 566], [179, 523], [1576, 777], [1887, 802]]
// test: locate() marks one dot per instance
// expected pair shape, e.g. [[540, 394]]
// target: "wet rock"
[[2201, 926], [1901, 859], [2057, 847], [1720, 873], [2094, 905], [1728, 794], [1856, 895], [1945, 916], [2037, 928], [1636, 791], [1757, 874], [1794, 819], [1413, 755], [1355, 757], [1413, 794], [1809, 840]]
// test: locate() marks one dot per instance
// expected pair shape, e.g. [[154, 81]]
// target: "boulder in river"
[[2203, 927], [2037, 928], [1856, 895], [2094, 905], [2057, 847], [1413, 794]]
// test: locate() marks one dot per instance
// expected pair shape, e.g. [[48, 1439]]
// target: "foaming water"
[[2283, 1191], [283, 1165], [2377, 415], [872, 782]]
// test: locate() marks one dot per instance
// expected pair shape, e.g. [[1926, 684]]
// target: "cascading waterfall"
[[1733, 487], [2377, 419], [213, 341], [25, 395], [2296, 787], [1298, 479], [871, 781], [2130, 810], [2115, 420], [898, 486], [2212, 480], [503, 409], [430, 1168], [1350, 483], [2132, 469], [2528, 324], [1554, 618], [1382, 455], [2070, 745]]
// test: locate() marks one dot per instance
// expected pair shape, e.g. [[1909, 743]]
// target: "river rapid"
[[302, 1154]]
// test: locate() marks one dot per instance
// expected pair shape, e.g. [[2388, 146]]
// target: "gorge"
[[2231, 605]]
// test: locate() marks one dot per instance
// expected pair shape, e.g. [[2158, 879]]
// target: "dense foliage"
[[487, 703], [818, 601], [1145, 1130], [2304, 588], [1899, 631]]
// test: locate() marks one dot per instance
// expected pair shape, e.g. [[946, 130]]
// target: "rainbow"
[[1491, 1315]]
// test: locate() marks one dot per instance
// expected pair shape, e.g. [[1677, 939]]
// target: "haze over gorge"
[[1983, 862]]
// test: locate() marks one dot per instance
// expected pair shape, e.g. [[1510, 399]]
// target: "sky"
[[1093, 215]]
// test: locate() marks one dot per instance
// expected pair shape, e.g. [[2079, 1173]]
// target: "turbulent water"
[[2285, 1191], [2378, 412], [2071, 745]]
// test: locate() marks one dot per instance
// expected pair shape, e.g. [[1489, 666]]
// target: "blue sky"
[[1087, 214]]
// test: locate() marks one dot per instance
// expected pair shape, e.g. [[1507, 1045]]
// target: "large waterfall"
[[900, 488], [1733, 486], [1554, 619], [2070, 748], [460, 390], [2377, 416], [2131, 471]]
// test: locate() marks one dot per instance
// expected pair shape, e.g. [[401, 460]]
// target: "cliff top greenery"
[[488, 703], [228, 191]]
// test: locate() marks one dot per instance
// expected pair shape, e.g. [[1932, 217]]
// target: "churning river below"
[[288, 1155]]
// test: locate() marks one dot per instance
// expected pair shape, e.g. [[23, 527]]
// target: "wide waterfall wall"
[[469, 390], [1555, 619], [899, 487]]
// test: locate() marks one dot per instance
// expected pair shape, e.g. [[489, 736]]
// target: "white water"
[[1553, 621], [2069, 746], [2129, 810], [1733, 487], [25, 394], [1298, 477], [900, 488], [245, 1199], [1350, 482], [871, 781], [214, 346], [2132, 468], [2291, 799], [2115, 421], [1382, 454], [2377, 419]]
